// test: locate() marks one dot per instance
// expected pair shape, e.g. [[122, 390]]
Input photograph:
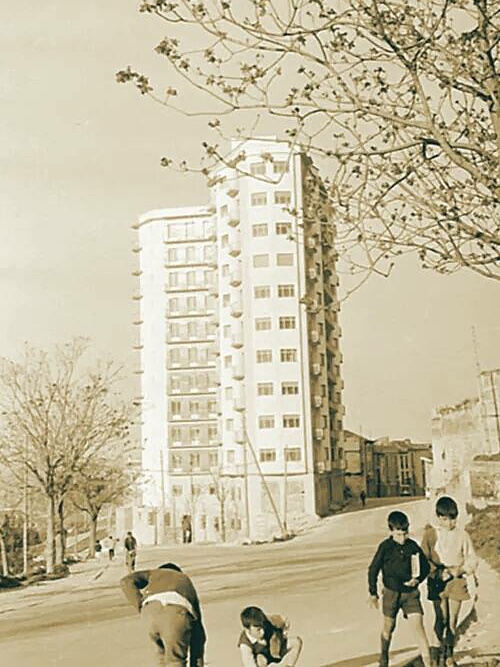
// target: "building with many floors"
[[238, 339]]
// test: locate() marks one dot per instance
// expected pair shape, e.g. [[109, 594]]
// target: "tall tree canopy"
[[397, 101]]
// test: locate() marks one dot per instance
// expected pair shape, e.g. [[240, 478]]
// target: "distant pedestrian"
[[187, 529], [451, 555], [98, 548], [170, 610], [362, 497], [404, 566], [264, 640], [111, 546], [130, 544]]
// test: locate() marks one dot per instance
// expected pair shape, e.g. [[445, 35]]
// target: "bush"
[[483, 529]]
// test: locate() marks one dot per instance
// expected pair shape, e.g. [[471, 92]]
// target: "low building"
[[396, 467]]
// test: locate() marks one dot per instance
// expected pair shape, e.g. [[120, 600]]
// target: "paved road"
[[318, 580]]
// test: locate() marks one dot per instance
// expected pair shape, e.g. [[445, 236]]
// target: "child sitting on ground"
[[264, 640], [403, 567], [451, 555]]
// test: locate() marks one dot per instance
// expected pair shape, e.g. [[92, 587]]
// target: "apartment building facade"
[[239, 345]]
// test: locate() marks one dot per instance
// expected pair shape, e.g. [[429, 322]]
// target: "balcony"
[[234, 242], [237, 334], [238, 367], [239, 398], [239, 436], [235, 273], [236, 306], [317, 401], [316, 369], [318, 433], [311, 243], [312, 274], [314, 336], [213, 289]]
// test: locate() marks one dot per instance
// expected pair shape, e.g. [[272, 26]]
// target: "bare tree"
[[397, 101], [103, 482], [222, 487], [56, 419]]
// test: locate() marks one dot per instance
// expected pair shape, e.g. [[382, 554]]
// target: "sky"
[[80, 162]]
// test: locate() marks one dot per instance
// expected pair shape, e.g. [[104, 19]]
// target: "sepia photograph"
[[250, 363]]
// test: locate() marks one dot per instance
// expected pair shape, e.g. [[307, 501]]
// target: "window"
[[224, 209], [291, 421], [229, 424], [266, 421], [176, 434], [194, 460], [287, 322], [230, 456], [280, 167], [212, 407], [267, 455], [194, 434], [190, 254], [284, 259], [213, 459], [175, 356], [262, 291], [226, 331], [172, 255], [293, 454], [289, 388], [283, 197], [259, 229], [191, 278], [258, 199], [226, 300], [175, 408], [176, 490], [173, 305], [194, 408], [265, 389], [286, 290], [264, 356], [191, 304], [260, 261], [262, 323], [227, 361], [288, 354], [284, 228], [224, 240], [258, 168], [225, 270], [176, 461], [173, 280], [228, 393]]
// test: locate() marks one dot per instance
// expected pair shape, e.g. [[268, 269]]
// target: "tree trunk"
[[223, 519], [61, 551], [3, 549], [50, 547], [92, 535]]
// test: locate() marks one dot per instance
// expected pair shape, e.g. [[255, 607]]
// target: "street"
[[317, 579]]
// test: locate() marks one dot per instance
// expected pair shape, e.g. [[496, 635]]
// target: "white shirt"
[[454, 548]]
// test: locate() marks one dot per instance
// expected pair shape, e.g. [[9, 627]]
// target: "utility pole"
[[245, 476], [285, 492], [162, 485], [25, 511], [482, 406]]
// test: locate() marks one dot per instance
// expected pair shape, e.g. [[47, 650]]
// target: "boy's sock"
[[384, 651]]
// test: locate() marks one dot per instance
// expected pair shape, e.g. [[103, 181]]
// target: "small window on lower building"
[[267, 455]]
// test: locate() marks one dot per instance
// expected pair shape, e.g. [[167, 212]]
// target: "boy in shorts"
[[451, 555], [404, 566], [264, 640]]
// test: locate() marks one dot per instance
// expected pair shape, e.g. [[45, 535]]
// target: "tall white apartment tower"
[[280, 385], [176, 332], [239, 343]]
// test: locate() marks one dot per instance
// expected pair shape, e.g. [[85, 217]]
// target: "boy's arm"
[[470, 558], [374, 569], [132, 585], [247, 656], [425, 566]]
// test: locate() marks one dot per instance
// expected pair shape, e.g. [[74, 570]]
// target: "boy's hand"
[[373, 601], [455, 571], [412, 583]]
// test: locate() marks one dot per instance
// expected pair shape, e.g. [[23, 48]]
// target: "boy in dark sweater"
[[403, 567]]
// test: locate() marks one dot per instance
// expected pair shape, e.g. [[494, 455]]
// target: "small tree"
[[398, 102], [222, 487], [101, 483], [56, 420]]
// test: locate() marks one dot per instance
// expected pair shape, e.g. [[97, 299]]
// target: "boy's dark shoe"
[[434, 654], [384, 652]]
